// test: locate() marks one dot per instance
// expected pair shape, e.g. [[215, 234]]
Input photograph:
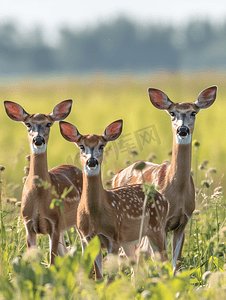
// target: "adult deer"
[[174, 179], [35, 204], [114, 214]]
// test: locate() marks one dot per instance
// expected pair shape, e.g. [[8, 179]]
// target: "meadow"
[[98, 100]]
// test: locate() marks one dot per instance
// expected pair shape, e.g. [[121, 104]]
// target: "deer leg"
[[178, 241], [30, 236], [129, 250], [158, 243], [146, 247], [54, 242], [98, 266], [31, 239], [62, 250]]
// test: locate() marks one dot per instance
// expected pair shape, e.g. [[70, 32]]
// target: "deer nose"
[[38, 140], [92, 162], [183, 131]]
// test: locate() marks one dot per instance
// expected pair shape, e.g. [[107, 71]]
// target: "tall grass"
[[25, 274], [99, 100]]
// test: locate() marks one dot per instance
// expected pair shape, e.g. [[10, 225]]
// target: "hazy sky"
[[52, 14]]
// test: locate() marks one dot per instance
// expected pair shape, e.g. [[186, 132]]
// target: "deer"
[[114, 215], [174, 179], [37, 216]]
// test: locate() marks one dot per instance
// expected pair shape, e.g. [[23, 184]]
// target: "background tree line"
[[116, 46]]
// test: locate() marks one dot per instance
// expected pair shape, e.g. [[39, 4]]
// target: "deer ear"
[[206, 97], [113, 131], [61, 110], [69, 132], [159, 99], [15, 111]]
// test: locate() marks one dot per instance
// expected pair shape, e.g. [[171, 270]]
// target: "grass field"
[[99, 100]]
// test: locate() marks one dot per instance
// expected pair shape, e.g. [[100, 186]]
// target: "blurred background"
[[40, 37], [104, 55]]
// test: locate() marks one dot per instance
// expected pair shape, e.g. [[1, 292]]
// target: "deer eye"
[[48, 125], [101, 147], [172, 114], [28, 125], [193, 113], [81, 147]]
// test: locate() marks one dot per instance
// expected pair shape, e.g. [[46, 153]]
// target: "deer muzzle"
[[38, 141], [183, 131], [92, 163]]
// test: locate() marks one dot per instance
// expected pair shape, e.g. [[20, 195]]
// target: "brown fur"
[[174, 179], [115, 214], [35, 204], [37, 216]]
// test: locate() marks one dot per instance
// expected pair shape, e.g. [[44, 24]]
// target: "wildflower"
[[206, 275], [166, 161], [212, 171], [146, 294], [170, 153], [196, 214], [203, 165], [28, 158], [32, 255], [134, 152], [11, 200], [110, 173], [223, 231], [108, 183], [127, 162], [24, 179], [151, 157], [49, 287], [205, 162], [196, 144], [217, 193], [26, 170], [205, 183], [218, 190]]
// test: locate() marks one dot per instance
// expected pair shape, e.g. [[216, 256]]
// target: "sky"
[[78, 14]]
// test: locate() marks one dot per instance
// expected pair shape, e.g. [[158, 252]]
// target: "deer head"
[[183, 114], [38, 125], [92, 145]]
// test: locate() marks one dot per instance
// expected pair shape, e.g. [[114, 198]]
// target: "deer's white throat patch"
[[92, 171], [38, 150], [183, 140]]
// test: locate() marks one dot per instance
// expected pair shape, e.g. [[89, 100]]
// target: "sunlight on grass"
[[98, 101]]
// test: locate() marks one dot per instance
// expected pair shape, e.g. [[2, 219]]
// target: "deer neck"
[[93, 193], [179, 171], [39, 166]]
